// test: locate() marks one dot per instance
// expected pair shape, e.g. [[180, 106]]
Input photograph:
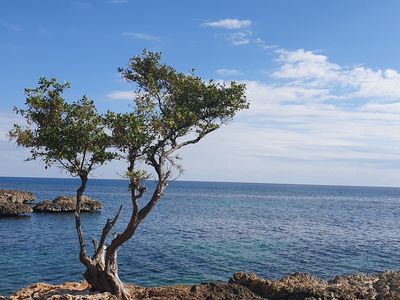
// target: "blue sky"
[[323, 79]]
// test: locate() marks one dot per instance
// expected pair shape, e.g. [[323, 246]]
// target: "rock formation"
[[299, 286], [67, 204], [13, 202], [16, 196], [13, 209], [79, 291]]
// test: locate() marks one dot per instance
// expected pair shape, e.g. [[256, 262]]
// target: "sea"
[[202, 231]]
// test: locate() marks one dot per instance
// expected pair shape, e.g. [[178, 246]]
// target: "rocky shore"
[[299, 286]]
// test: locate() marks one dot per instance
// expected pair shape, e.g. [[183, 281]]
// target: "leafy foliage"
[[172, 109], [70, 135]]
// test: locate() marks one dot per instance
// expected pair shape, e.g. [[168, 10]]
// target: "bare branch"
[[95, 244], [129, 230], [106, 230], [83, 158]]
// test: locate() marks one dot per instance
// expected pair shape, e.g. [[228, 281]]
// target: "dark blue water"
[[204, 231]]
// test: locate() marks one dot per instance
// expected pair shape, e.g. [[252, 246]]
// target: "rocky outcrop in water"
[[13, 203], [14, 209], [299, 286], [67, 204], [15, 196]]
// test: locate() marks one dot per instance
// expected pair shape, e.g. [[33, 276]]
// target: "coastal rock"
[[14, 209], [301, 286], [81, 290], [12, 202], [221, 291], [385, 285], [356, 286], [15, 196], [242, 286], [67, 204], [296, 286], [66, 291]]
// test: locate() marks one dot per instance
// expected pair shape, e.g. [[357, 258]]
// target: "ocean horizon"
[[203, 231]]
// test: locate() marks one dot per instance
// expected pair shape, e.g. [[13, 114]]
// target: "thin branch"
[[83, 158], [95, 244], [193, 141], [106, 230], [129, 230]]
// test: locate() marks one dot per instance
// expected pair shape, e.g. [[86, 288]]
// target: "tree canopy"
[[70, 135]]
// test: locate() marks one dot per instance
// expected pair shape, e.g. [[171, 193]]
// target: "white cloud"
[[306, 68], [228, 72], [140, 36], [229, 24], [121, 95], [263, 44], [317, 115], [239, 38], [12, 27]]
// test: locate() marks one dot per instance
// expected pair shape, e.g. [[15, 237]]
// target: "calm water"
[[206, 231]]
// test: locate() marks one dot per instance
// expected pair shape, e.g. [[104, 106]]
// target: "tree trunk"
[[101, 273], [106, 279]]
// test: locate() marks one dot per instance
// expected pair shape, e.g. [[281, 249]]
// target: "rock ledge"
[[298, 286]]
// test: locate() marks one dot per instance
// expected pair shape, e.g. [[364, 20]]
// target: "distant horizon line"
[[215, 181]]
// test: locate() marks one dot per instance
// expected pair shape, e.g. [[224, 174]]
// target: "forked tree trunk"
[[102, 269], [100, 273], [105, 279]]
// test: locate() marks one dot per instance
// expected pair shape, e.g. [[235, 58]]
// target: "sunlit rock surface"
[[299, 286]]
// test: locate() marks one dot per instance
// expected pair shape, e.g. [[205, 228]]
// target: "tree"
[[171, 110], [71, 136]]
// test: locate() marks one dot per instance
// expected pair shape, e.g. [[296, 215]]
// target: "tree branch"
[[193, 141], [131, 227], [106, 230], [95, 244]]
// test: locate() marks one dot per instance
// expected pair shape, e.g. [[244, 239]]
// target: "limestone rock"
[[296, 286], [16, 196], [66, 291], [12, 202], [242, 286], [300, 286], [67, 204], [221, 291], [14, 209]]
